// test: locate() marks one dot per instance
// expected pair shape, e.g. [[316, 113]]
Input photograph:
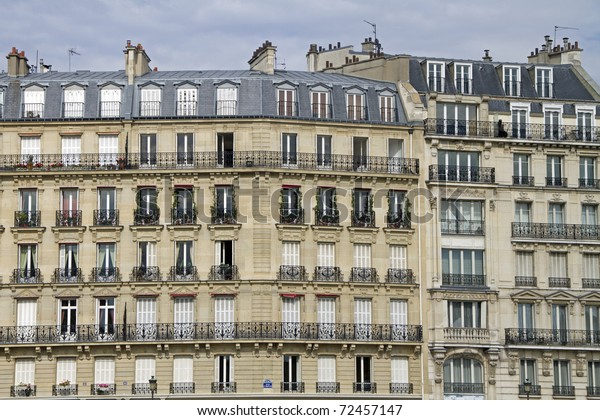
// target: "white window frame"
[[543, 87], [72, 96], [183, 369], [436, 74], [320, 98], [356, 107], [512, 81], [150, 101], [187, 100], [519, 117], [387, 106], [286, 101], [34, 99], [145, 369], [110, 101], [104, 370], [463, 80], [224, 312], [227, 97], [108, 147]]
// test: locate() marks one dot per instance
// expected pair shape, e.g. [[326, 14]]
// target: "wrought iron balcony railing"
[[103, 389], [67, 275], [226, 107], [462, 227], [291, 216], [534, 131], [211, 331], [105, 275], [187, 108], [555, 231], [223, 387], [364, 387], [471, 174], [398, 220], [106, 218], [401, 388], [73, 109], [26, 276], [33, 110], [463, 388], [388, 114], [321, 110], [559, 282], [224, 272], [292, 272], [68, 218], [589, 183], [556, 182], [287, 108], [400, 276], [438, 84], [549, 337], [23, 390], [535, 390], [182, 387], [588, 283], [292, 387], [146, 217], [64, 390], [326, 273], [357, 112], [363, 218], [149, 108], [140, 388], [145, 273], [364, 275], [563, 390], [328, 387], [223, 217], [463, 280], [183, 273], [110, 109], [593, 391], [28, 219], [327, 217], [525, 281], [183, 217], [524, 180]]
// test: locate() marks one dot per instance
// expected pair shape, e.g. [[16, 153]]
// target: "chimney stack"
[[137, 62], [368, 46], [263, 58], [486, 56], [17, 63], [567, 53]]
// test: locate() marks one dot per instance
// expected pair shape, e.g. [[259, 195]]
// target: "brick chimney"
[[263, 58], [17, 63], [137, 62]]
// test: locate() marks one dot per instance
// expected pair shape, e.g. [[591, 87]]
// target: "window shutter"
[[144, 369], [326, 369], [104, 370], [24, 371], [398, 257], [399, 370], [183, 369], [66, 369]]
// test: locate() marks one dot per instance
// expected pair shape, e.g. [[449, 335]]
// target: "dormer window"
[[512, 81], [33, 102], [543, 82], [387, 107], [435, 76], [73, 102], [356, 105], [150, 101], [110, 102], [187, 100], [1, 103], [227, 99], [463, 79], [320, 102], [286, 101]]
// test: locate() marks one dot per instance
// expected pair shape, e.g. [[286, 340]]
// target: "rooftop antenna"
[[560, 28], [377, 44], [282, 64], [71, 52]]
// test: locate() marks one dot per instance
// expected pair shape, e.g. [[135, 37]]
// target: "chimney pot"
[[329, 46], [129, 42], [576, 44], [339, 44]]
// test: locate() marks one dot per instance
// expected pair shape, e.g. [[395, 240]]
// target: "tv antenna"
[[560, 28], [72, 52], [374, 26]]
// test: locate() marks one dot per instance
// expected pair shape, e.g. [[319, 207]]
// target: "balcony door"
[[560, 323], [148, 154], [326, 317], [290, 317], [224, 317], [183, 318], [26, 320], [324, 152], [185, 148], [225, 150], [362, 319], [399, 319], [146, 318]]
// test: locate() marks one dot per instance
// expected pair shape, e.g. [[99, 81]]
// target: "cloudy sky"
[[222, 34]]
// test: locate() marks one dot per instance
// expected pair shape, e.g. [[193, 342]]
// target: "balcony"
[[462, 227], [67, 275], [103, 389], [467, 334], [463, 280], [106, 217], [146, 217], [28, 219], [226, 107], [363, 219], [223, 272], [364, 275], [388, 114], [525, 281], [325, 273], [145, 273], [327, 217], [64, 390], [211, 331], [26, 276], [183, 273], [223, 387], [364, 387], [593, 391], [73, 109], [187, 108], [552, 337], [463, 388], [328, 387], [110, 109], [292, 272], [291, 216], [182, 387], [563, 391], [589, 183], [223, 217], [149, 108], [23, 390], [469, 174], [356, 113], [398, 220], [68, 218], [287, 108], [183, 217], [559, 282], [555, 231], [536, 390], [527, 181], [401, 388], [590, 283], [33, 110], [292, 387], [105, 275], [556, 182], [321, 110], [400, 276], [140, 388]]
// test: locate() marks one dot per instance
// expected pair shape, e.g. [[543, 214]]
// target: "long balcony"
[[555, 231], [326, 273], [363, 218], [28, 219], [470, 174], [212, 332], [463, 280], [208, 161], [533, 131], [292, 272], [223, 272], [552, 337], [106, 218], [400, 276], [364, 275], [462, 227], [68, 218]]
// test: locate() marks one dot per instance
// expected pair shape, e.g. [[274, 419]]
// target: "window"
[[552, 123], [292, 381], [145, 369], [526, 321], [148, 149], [185, 148], [362, 256], [463, 376], [562, 378], [463, 79], [528, 372], [387, 107], [326, 377], [67, 319], [226, 99], [463, 267], [104, 374], [524, 269], [558, 270], [522, 212], [456, 119], [147, 266], [520, 121], [107, 213], [363, 375], [225, 268], [1, 103], [147, 211], [24, 372], [587, 172], [399, 382], [290, 317], [589, 215], [360, 153], [458, 166], [326, 269], [554, 176], [108, 147], [73, 102], [512, 81], [326, 317], [66, 372], [110, 102], [105, 318], [150, 101], [399, 319], [71, 150], [560, 322], [521, 170], [187, 100], [183, 211], [28, 214], [68, 263], [225, 150], [435, 77], [105, 263], [30, 150], [462, 217], [224, 374], [593, 378], [465, 314], [224, 317], [327, 212], [355, 105], [289, 149], [362, 319], [33, 102], [556, 213], [543, 82], [362, 212], [396, 162], [28, 271], [398, 257], [290, 208], [591, 270], [290, 253], [184, 263], [26, 320], [69, 214], [585, 124], [592, 323], [224, 212], [324, 148], [183, 374], [183, 318], [321, 107], [146, 318], [286, 102], [398, 216]]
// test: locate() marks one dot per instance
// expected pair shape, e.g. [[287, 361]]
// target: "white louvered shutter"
[[326, 255], [326, 369], [104, 370], [25, 371], [108, 147], [398, 257], [291, 253], [144, 369], [399, 370], [362, 255], [224, 317], [66, 370], [183, 369]]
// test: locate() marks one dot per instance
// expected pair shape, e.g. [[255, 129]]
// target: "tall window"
[[30, 149], [147, 211], [71, 150], [521, 169], [183, 374], [290, 317], [512, 81], [67, 319], [562, 378], [150, 101], [290, 210], [183, 211], [326, 317], [290, 261], [528, 372], [591, 269], [227, 99], [224, 317], [463, 267], [66, 370], [187, 100], [25, 371], [28, 265], [362, 255], [592, 323], [224, 381], [456, 118], [324, 152], [589, 215], [362, 212], [26, 320], [110, 101], [399, 375], [520, 120], [147, 267], [108, 147], [326, 377], [289, 149], [526, 320], [362, 318], [355, 105], [465, 314], [463, 376], [104, 372], [556, 213], [33, 102], [435, 77], [28, 215], [292, 381], [106, 263], [105, 318], [524, 269], [185, 148], [286, 102], [148, 153], [225, 150], [462, 217], [544, 82], [146, 318], [463, 79], [224, 210], [560, 322], [554, 172], [587, 172], [183, 318], [68, 263], [363, 375], [593, 378], [399, 319], [107, 213], [321, 106], [184, 262], [73, 102], [552, 124], [360, 153], [522, 212], [558, 268], [145, 369], [327, 212], [224, 260], [585, 124], [326, 269], [396, 163], [387, 107]]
